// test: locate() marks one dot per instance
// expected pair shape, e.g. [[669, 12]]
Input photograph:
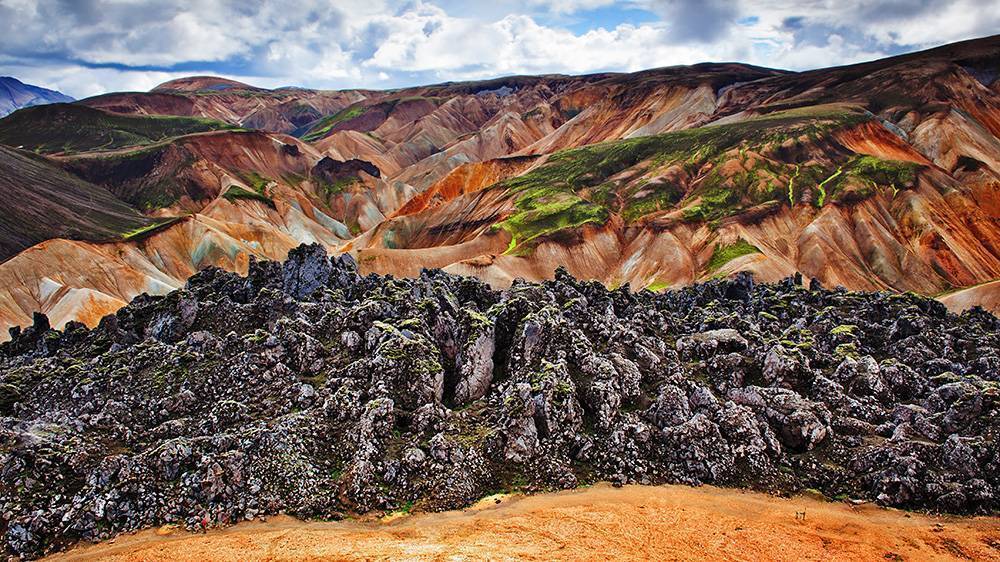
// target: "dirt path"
[[599, 523]]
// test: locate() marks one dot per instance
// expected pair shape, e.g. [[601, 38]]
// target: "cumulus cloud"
[[85, 47]]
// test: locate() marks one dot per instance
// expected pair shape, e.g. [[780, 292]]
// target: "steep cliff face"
[[884, 175]]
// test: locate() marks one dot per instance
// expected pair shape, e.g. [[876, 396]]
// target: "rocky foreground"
[[308, 389]]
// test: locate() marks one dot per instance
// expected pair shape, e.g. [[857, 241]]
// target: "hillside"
[[206, 97], [15, 94], [42, 202], [70, 128], [662, 210], [878, 176]]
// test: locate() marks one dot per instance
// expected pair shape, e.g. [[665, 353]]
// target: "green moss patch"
[[258, 189], [884, 172], [326, 124], [727, 253], [236, 192], [338, 186], [657, 286], [256, 182], [543, 213], [659, 197], [845, 329], [864, 174], [147, 231]]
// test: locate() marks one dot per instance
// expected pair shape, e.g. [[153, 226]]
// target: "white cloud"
[[81, 82], [382, 43], [570, 6]]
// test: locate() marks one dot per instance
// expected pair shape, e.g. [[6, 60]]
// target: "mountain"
[[308, 389], [68, 128], [42, 202], [878, 176], [15, 94], [282, 110]]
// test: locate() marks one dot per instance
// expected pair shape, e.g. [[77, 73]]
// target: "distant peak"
[[202, 83], [15, 94]]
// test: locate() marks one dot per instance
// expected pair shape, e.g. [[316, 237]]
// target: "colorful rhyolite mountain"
[[882, 175], [15, 94]]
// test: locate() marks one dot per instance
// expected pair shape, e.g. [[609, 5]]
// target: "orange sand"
[[599, 523]]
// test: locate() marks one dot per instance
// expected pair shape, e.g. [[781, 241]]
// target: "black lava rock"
[[308, 389]]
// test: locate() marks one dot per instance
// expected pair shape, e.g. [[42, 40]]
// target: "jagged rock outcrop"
[[309, 389], [331, 170]]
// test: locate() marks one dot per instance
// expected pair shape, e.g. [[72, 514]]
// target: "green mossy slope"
[[71, 128]]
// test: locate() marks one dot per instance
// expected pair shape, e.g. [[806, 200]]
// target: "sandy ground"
[[598, 523]]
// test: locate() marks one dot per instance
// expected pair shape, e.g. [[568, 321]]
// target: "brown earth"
[[986, 295], [599, 523]]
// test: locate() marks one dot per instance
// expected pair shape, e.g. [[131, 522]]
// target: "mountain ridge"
[[881, 175]]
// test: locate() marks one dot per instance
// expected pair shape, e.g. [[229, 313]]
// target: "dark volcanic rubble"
[[308, 389]]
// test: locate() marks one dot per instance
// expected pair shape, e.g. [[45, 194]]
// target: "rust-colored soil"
[[599, 523]]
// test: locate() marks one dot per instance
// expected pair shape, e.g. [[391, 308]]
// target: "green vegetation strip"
[[543, 214], [327, 123], [256, 182], [236, 192], [148, 230], [791, 187], [872, 173], [884, 172], [822, 184]]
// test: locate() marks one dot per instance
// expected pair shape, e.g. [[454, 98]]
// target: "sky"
[[89, 47]]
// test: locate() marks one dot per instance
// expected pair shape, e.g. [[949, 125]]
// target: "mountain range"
[[15, 94], [877, 176]]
